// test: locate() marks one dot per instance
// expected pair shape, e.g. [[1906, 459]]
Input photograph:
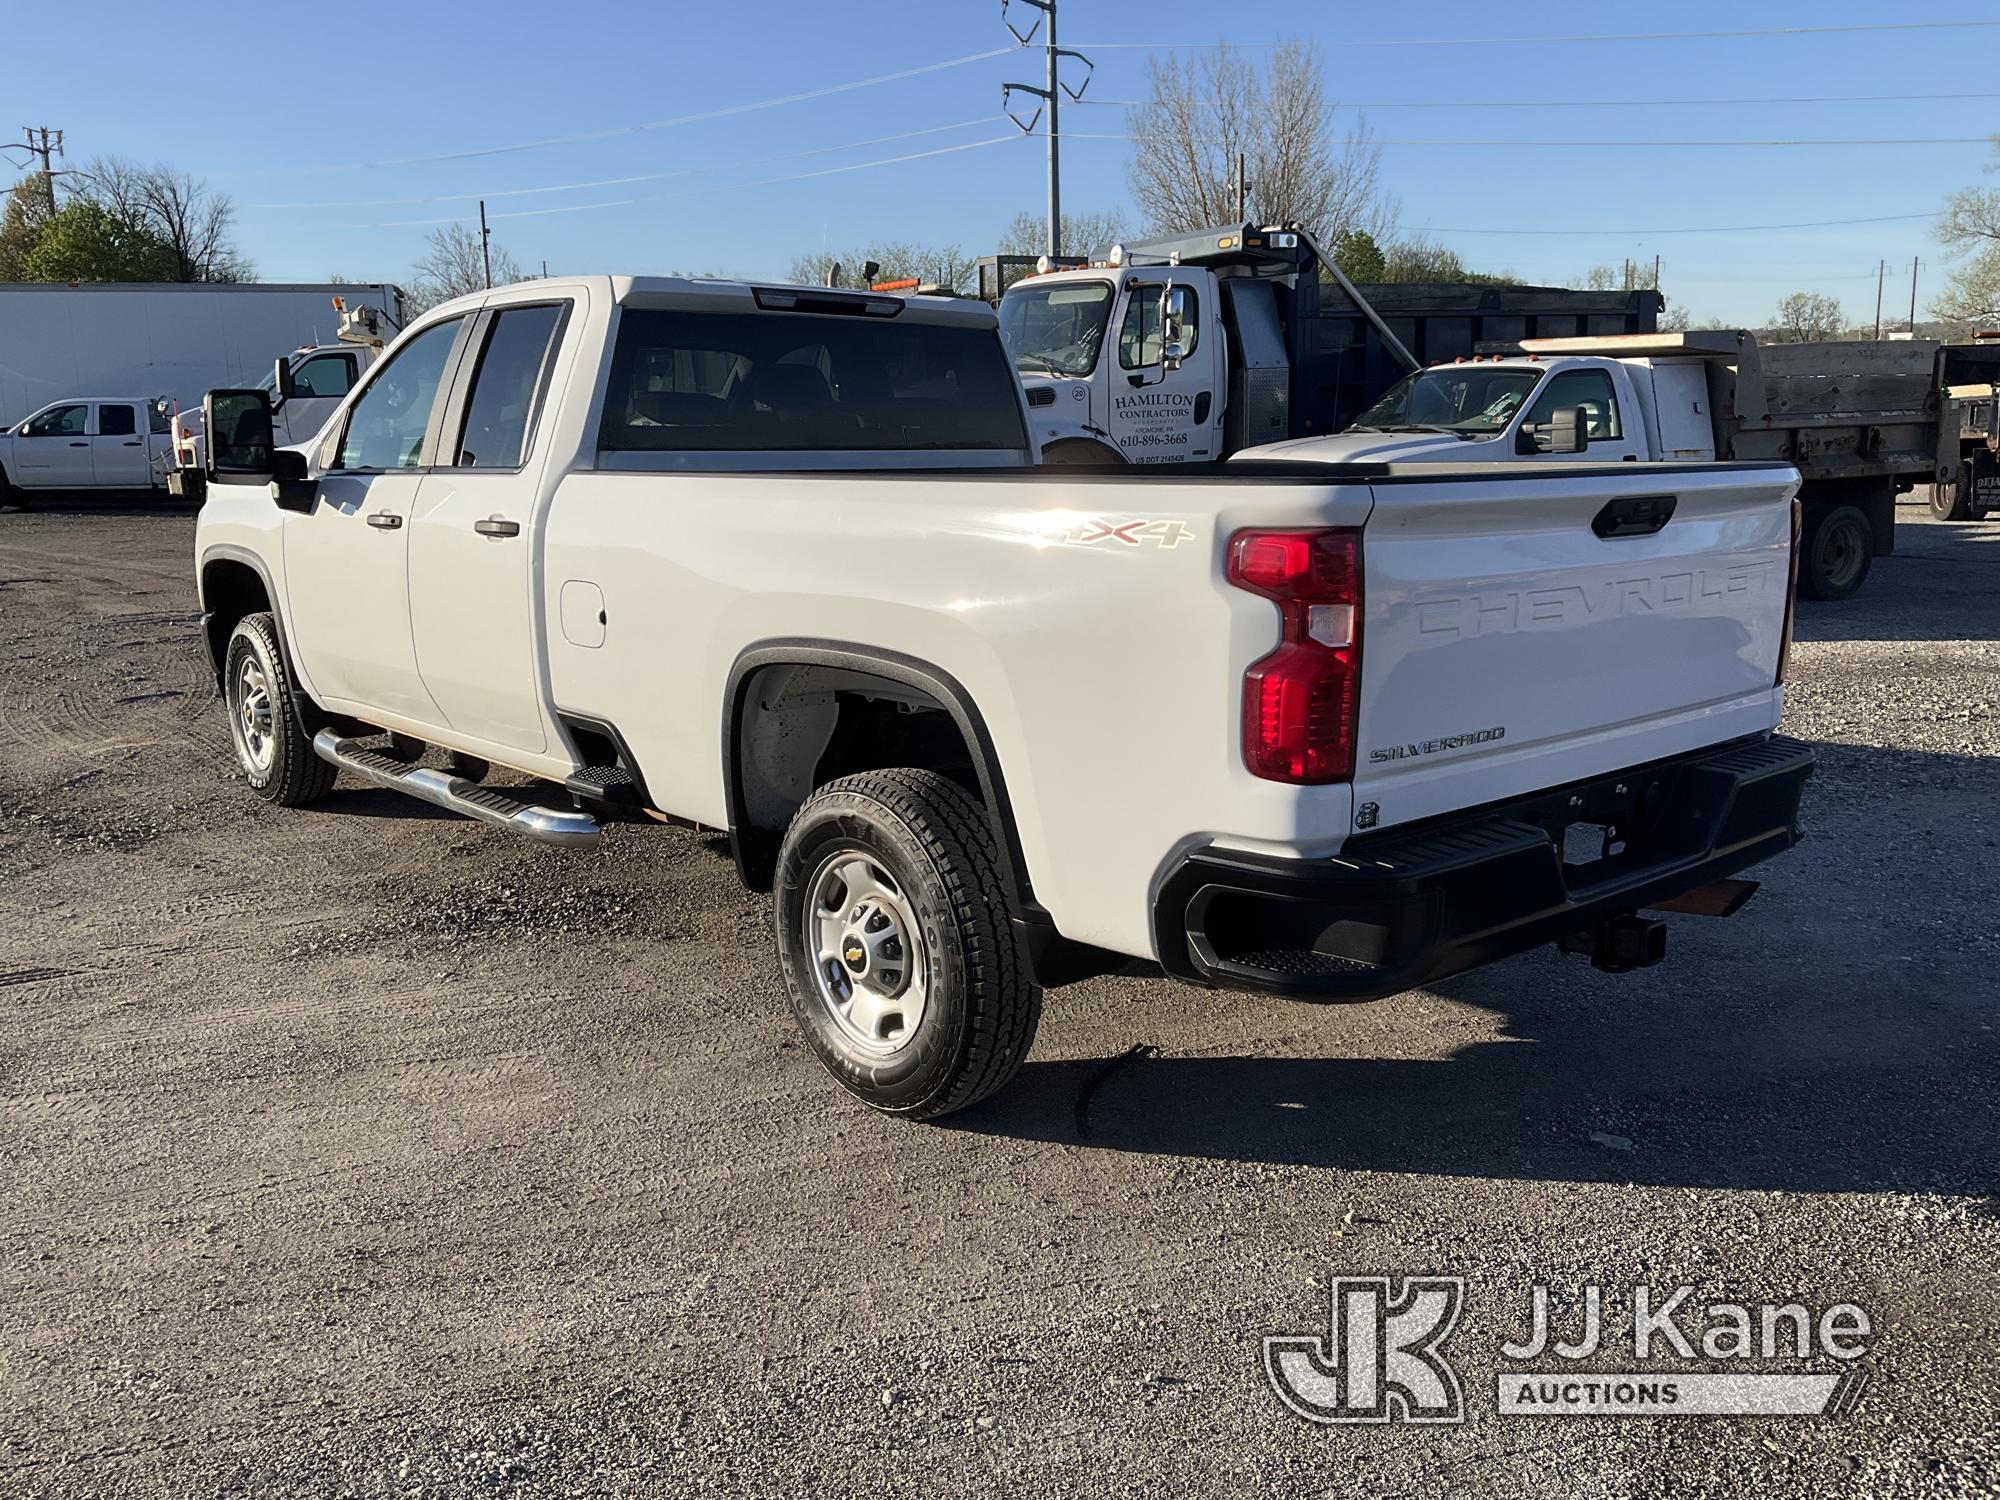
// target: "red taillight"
[[1791, 592], [1299, 703]]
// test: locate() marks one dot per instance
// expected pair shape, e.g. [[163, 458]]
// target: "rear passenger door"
[[474, 531], [118, 447]]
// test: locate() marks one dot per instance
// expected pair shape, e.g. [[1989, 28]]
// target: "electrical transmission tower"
[[1051, 97]]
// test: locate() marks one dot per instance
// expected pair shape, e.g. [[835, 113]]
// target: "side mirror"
[[240, 444], [291, 486], [287, 384], [1568, 430], [1173, 327]]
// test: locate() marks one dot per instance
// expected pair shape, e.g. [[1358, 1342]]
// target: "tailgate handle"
[[1634, 515]]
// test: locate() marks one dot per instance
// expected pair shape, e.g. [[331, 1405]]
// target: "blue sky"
[[280, 111]]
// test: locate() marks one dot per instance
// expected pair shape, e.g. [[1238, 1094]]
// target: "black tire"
[[980, 1004], [1067, 452], [1952, 502], [1835, 552], [288, 772]]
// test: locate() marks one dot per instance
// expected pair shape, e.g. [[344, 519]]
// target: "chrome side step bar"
[[442, 789]]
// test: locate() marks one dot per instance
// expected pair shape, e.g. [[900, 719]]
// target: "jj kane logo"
[[1383, 1356]]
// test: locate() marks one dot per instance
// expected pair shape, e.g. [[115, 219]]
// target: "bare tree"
[[1805, 318], [1081, 233], [1206, 110], [1970, 226], [454, 265], [933, 265], [188, 216]]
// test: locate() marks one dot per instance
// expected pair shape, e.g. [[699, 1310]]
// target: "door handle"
[[133, 444], [495, 526], [84, 444], [385, 521]]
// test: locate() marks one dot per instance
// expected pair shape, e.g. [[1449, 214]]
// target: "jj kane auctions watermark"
[[1384, 1358]]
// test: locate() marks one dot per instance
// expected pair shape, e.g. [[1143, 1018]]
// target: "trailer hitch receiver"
[[1620, 944]]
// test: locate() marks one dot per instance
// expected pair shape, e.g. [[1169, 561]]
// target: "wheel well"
[[799, 725], [229, 591], [1083, 452]]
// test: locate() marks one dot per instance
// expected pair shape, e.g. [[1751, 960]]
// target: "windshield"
[[269, 382], [1055, 327], [1467, 400]]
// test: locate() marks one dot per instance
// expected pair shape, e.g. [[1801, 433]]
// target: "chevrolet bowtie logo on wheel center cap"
[[855, 955]]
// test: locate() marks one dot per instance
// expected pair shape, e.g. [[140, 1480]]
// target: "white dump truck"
[[1860, 421]]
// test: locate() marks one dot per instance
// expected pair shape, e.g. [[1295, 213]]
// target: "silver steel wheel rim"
[[870, 964], [252, 716]]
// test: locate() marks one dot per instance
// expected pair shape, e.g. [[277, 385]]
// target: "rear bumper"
[[1399, 909]]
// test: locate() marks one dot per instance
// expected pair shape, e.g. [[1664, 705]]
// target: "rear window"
[[733, 382]]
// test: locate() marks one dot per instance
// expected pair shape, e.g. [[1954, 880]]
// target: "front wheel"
[[267, 718], [903, 970], [1835, 551]]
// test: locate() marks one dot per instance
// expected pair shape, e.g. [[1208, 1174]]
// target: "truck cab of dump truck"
[[1274, 341]]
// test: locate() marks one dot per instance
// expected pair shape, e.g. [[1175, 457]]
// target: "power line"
[[1686, 229], [1539, 104], [577, 208], [1466, 141], [611, 132], [1521, 41], [602, 182]]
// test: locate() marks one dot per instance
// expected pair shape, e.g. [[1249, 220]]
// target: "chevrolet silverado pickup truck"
[[779, 561]]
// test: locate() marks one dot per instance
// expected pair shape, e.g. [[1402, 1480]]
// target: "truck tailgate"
[[1523, 635]]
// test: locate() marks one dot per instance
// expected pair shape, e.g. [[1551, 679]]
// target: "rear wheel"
[[265, 713], [903, 970], [1835, 551], [1951, 502]]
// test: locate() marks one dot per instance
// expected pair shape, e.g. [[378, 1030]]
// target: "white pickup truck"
[[778, 561], [87, 443], [1862, 421]]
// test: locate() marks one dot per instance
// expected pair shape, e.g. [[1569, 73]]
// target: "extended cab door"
[[53, 448], [347, 560], [1617, 430], [118, 457], [1162, 416], [473, 533]]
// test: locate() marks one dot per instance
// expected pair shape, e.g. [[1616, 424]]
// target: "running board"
[[455, 793]]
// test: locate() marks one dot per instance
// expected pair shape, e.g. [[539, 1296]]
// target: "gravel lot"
[[360, 1150]]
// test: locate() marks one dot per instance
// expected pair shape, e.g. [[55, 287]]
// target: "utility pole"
[[1242, 189], [1914, 263], [1881, 270], [42, 141], [485, 244], [1051, 97]]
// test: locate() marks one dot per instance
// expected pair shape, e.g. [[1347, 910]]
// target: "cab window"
[[60, 421], [1139, 338], [325, 375], [506, 391], [116, 421], [1589, 389], [385, 430]]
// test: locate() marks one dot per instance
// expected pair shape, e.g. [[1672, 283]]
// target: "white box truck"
[[59, 342]]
